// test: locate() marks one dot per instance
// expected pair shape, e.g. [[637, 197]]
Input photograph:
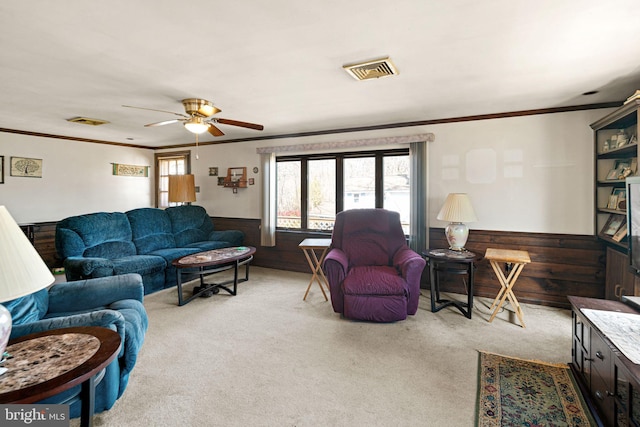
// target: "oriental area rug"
[[517, 392]]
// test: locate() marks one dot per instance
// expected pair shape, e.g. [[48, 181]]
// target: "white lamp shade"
[[457, 208], [182, 188], [22, 271]]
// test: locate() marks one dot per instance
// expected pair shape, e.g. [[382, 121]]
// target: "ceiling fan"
[[198, 117]]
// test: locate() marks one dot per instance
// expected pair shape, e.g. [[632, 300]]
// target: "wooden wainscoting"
[[561, 264], [45, 243], [286, 255]]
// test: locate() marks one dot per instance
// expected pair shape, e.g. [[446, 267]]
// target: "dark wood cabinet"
[[627, 398], [620, 280], [610, 380]]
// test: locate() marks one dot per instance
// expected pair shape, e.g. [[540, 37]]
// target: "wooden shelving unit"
[[611, 156], [616, 157]]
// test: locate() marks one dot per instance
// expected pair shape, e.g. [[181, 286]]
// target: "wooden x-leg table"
[[517, 259], [309, 247]]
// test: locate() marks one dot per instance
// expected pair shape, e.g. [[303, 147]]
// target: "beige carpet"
[[267, 358]]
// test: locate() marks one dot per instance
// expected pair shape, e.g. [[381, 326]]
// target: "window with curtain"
[[311, 189], [176, 163]]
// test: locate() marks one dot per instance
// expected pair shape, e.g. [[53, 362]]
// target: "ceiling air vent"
[[371, 69], [87, 121]]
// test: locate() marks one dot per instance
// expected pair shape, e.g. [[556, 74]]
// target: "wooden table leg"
[[506, 290], [318, 276], [87, 399]]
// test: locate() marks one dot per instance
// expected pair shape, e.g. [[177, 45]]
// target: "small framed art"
[[621, 233], [1, 169], [23, 166], [613, 224]]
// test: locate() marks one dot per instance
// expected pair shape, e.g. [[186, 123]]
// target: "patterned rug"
[[526, 393]]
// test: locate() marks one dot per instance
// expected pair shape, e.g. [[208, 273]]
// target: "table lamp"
[[182, 188], [22, 271], [457, 210]]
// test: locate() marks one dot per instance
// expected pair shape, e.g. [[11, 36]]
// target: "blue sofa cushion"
[[151, 230], [28, 308], [141, 264], [190, 224], [100, 234], [169, 254], [111, 250]]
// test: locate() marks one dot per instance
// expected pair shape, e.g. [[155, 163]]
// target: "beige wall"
[[532, 173]]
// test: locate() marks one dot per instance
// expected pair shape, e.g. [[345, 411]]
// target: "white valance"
[[333, 145]]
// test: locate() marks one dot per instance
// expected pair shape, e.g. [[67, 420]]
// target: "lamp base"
[[5, 329], [457, 234]]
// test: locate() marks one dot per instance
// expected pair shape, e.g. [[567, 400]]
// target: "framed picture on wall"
[[23, 166], [1, 169]]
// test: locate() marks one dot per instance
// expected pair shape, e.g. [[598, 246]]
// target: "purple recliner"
[[373, 275]]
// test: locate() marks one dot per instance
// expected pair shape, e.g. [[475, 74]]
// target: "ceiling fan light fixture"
[[200, 107], [196, 125]]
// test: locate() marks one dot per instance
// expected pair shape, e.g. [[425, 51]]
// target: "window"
[[321, 194], [312, 189], [288, 194], [177, 163], [359, 183]]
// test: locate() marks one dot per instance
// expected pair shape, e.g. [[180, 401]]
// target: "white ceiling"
[[279, 62]]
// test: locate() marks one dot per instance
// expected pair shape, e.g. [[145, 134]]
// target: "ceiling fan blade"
[[162, 123], [241, 124], [214, 130], [160, 111]]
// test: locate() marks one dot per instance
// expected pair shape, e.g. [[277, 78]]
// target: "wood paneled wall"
[[44, 242], [561, 264]]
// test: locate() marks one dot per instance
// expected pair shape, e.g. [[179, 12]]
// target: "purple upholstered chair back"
[[368, 236]]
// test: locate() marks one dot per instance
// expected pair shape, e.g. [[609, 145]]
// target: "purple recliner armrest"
[[410, 265], [335, 267]]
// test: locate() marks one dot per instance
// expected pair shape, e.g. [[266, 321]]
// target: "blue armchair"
[[113, 302]]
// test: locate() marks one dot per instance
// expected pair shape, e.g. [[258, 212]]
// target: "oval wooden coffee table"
[[203, 264]]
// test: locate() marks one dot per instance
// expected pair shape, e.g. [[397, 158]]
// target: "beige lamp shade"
[[457, 208], [182, 188], [22, 271]]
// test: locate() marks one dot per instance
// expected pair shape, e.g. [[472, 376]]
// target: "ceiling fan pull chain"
[[197, 156]]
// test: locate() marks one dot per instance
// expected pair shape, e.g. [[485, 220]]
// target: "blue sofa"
[[110, 302], [142, 241]]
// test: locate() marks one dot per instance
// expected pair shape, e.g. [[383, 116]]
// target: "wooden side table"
[[517, 261], [50, 362], [309, 247], [452, 262]]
